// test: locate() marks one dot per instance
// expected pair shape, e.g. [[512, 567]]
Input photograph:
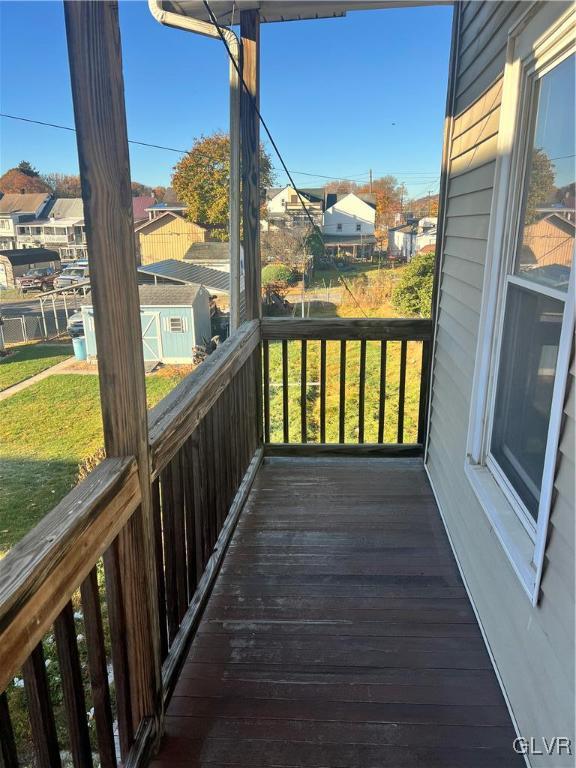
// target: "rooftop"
[[27, 203], [185, 272]]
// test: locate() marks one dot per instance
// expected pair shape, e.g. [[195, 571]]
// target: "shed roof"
[[186, 272], [20, 257], [227, 11], [168, 295], [27, 203], [215, 251]]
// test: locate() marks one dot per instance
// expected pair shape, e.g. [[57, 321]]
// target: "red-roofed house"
[[139, 206]]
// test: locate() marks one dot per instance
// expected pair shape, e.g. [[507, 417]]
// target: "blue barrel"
[[79, 347]]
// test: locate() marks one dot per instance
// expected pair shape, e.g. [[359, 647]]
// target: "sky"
[[341, 96]]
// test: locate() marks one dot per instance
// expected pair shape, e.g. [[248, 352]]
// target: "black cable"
[[315, 229]]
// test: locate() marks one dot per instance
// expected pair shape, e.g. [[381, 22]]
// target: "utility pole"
[[429, 202], [370, 180]]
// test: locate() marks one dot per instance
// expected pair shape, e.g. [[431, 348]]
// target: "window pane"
[[532, 325], [547, 234]]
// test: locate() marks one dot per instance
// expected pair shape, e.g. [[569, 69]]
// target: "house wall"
[[168, 238], [348, 212], [533, 648]]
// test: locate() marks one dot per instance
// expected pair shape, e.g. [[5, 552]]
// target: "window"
[[339, 227], [527, 315], [358, 227], [176, 325]]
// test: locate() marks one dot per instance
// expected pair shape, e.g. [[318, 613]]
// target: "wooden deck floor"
[[339, 634]]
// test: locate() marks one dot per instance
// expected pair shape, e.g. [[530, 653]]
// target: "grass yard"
[[372, 390], [47, 430], [30, 359]]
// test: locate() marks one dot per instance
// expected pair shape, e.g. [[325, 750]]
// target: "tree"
[[201, 181], [63, 185], [159, 193], [541, 189], [413, 293], [17, 182], [140, 190], [27, 168], [389, 194]]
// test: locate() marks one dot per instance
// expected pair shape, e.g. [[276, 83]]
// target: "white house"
[[61, 227], [16, 208], [284, 206], [408, 239], [348, 227]]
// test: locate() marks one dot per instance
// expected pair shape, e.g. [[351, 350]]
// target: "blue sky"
[[340, 96]]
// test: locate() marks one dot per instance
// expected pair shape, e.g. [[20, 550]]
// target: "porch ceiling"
[[227, 12]]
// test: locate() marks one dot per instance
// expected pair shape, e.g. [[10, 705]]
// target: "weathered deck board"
[[338, 634]]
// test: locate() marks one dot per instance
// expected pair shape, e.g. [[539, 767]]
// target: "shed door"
[[151, 342]]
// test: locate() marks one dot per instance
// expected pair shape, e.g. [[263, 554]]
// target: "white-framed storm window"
[[527, 319], [176, 325]]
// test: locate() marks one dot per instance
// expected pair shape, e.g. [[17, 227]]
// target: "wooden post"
[[95, 57], [250, 128]]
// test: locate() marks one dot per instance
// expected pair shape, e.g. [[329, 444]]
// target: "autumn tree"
[[201, 181], [341, 186], [388, 193], [541, 188], [140, 190], [159, 193], [16, 181], [63, 185]]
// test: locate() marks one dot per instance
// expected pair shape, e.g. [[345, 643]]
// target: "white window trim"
[[524, 544]]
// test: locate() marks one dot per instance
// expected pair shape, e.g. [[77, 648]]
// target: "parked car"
[[72, 275], [75, 326], [39, 279]]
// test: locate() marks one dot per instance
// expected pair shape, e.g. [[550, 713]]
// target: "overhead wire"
[[314, 226]]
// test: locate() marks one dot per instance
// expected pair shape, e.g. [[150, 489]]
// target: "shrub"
[[413, 293], [274, 274]]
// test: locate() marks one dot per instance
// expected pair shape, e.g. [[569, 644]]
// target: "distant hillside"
[[423, 206]]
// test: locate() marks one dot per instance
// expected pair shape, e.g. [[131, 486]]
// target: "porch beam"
[[250, 148], [95, 57]]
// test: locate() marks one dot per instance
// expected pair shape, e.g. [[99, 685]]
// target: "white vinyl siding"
[[533, 647]]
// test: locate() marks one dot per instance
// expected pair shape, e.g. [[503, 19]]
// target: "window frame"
[[179, 319], [539, 41]]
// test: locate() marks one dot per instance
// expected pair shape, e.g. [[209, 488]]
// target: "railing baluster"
[[266, 375], [303, 390], [179, 534], [160, 583], [187, 467], [72, 687], [8, 752], [117, 621], [424, 386], [402, 390], [342, 407], [97, 665], [382, 395], [286, 433], [323, 391], [42, 725], [170, 545], [361, 391]]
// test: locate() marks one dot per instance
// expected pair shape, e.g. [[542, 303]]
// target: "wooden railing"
[[63, 617], [359, 386], [336, 384]]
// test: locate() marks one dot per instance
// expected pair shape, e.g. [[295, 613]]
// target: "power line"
[[315, 229]]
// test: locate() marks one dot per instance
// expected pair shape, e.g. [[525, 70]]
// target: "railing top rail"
[[42, 571], [346, 329], [174, 419]]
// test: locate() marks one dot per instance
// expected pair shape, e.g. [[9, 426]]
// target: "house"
[[167, 235], [285, 207], [141, 206], [14, 262], [174, 319], [15, 208], [60, 226], [169, 203], [406, 240], [269, 556], [348, 226]]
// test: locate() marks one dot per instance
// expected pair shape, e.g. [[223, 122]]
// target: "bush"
[[274, 274], [413, 293]]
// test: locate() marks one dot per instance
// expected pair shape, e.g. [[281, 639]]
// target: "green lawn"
[[372, 390], [30, 359], [47, 430]]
